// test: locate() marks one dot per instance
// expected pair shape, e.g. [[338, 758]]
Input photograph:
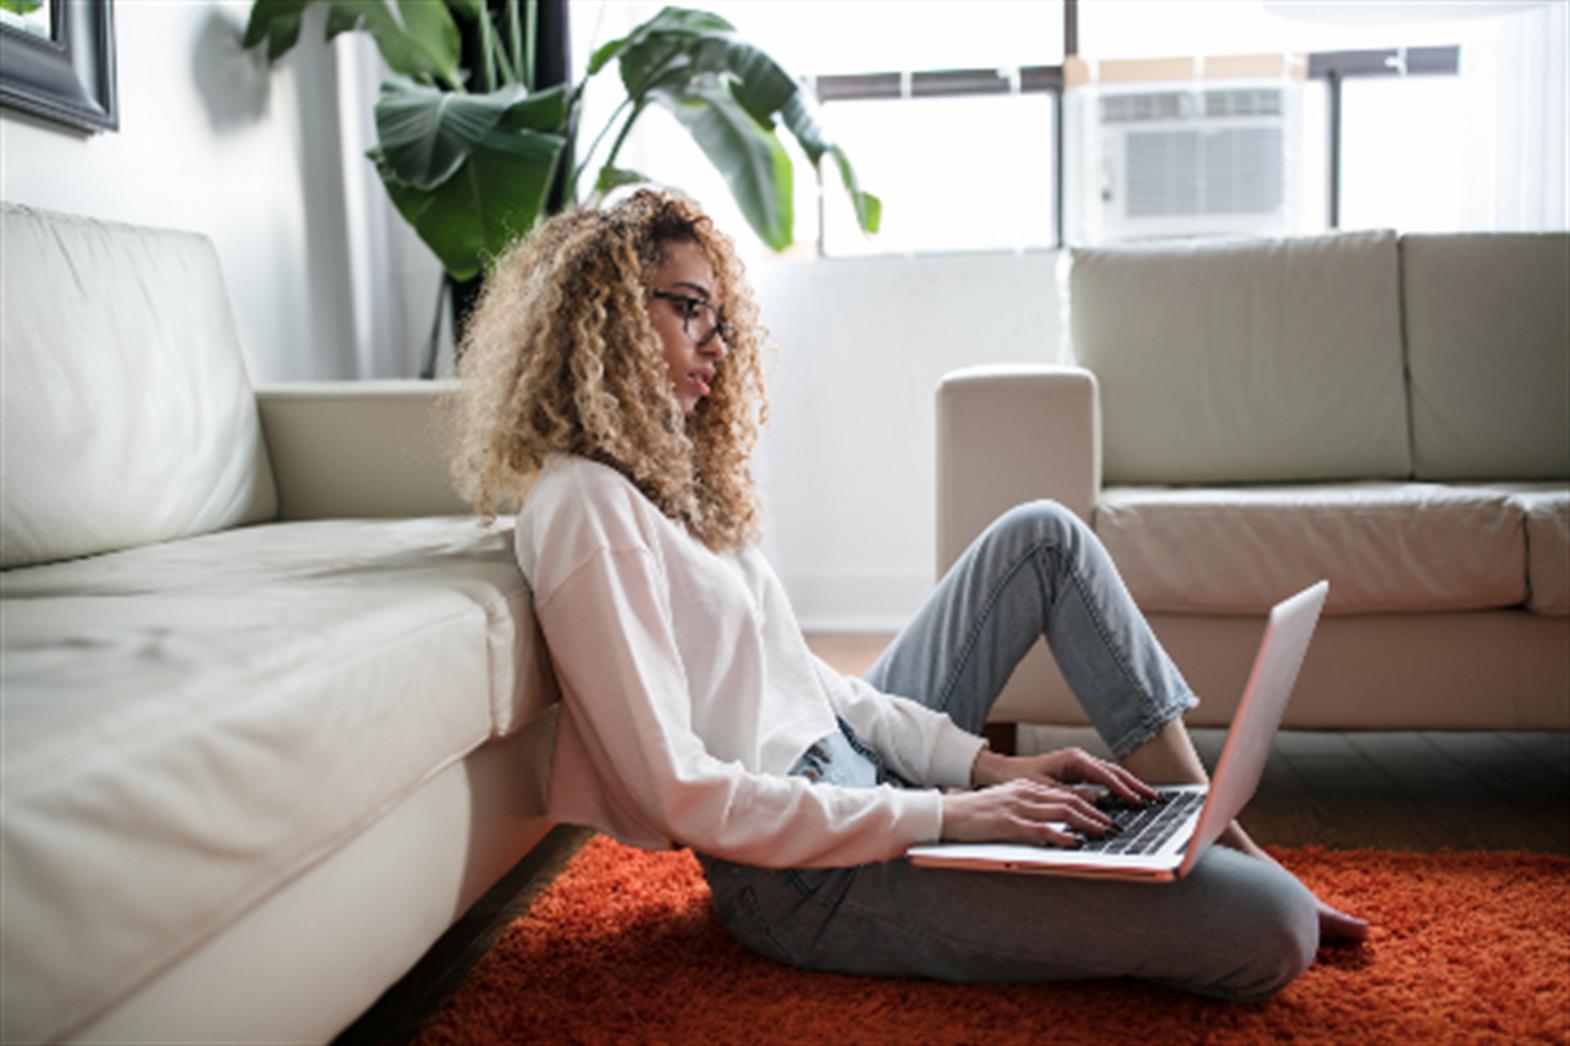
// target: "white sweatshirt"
[[688, 693]]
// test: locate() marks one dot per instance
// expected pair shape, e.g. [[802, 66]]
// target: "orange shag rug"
[[1466, 947]]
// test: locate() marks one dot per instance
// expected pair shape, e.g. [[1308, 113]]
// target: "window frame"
[[1333, 67], [1033, 79]]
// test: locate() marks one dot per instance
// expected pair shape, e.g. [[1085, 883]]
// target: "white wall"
[[212, 141], [849, 458]]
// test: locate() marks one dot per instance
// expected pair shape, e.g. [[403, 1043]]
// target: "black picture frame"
[[70, 77]]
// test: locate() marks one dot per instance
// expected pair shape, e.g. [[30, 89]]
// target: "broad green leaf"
[[419, 39], [804, 127], [667, 56], [430, 23], [674, 57], [21, 7], [758, 82], [687, 20], [603, 54], [277, 22], [869, 209], [409, 200], [808, 133], [670, 20], [338, 21], [425, 134], [496, 196], [614, 177], [541, 111], [655, 63], [761, 86], [754, 163]]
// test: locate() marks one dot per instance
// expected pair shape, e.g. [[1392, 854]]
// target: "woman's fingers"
[[1079, 765], [1125, 784], [1023, 811], [1042, 803], [1047, 835]]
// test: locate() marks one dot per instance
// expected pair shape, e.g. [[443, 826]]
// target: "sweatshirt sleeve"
[[920, 744], [609, 629]]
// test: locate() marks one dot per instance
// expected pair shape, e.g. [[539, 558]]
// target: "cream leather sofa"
[[1244, 418], [274, 708]]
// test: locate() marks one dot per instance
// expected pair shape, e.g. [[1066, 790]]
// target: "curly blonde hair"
[[559, 356]]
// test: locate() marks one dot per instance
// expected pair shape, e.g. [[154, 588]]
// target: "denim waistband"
[[841, 758]]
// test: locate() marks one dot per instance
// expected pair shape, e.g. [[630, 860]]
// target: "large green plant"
[[468, 155]]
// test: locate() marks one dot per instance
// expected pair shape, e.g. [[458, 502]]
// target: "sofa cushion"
[[1488, 349], [128, 416], [1385, 547], [1245, 362], [190, 724], [1547, 510]]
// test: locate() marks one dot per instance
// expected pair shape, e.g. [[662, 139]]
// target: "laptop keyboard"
[[1141, 829]]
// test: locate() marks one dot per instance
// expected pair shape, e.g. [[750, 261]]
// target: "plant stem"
[[572, 183], [498, 52], [488, 52], [638, 101], [531, 37], [637, 110], [516, 41]]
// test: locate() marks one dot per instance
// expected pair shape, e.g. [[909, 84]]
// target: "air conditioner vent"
[[1230, 170], [1247, 102], [1201, 157], [1146, 107]]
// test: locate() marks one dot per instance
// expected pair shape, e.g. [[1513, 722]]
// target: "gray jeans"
[[1235, 927]]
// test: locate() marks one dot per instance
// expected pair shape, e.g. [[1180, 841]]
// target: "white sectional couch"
[[275, 710], [1246, 417]]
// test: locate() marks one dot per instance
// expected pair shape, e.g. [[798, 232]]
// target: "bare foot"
[[1337, 927]]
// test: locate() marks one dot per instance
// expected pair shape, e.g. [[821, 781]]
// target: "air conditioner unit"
[[1186, 159]]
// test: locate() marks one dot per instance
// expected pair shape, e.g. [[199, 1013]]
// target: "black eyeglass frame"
[[726, 331]]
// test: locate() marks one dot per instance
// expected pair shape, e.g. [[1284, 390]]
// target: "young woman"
[[612, 387]]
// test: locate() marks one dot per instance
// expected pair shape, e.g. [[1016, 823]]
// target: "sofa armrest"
[[1009, 433], [358, 449]]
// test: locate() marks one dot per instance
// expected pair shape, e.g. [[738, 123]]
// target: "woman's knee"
[[1032, 522], [1278, 932]]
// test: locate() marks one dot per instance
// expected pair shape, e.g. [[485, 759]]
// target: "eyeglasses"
[[714, 324]]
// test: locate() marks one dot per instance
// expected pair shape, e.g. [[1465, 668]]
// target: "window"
[[943, 108], [1006, 125], [1420, 115], [956, 173], [1402, 154]]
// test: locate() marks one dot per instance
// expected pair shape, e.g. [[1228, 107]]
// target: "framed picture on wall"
[[57, 61]]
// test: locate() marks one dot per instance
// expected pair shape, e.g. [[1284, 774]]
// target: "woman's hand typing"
[[1063, 767], [1021, 811], [1031, 799]]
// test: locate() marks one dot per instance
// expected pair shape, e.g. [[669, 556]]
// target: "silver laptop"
[[1162, 842]]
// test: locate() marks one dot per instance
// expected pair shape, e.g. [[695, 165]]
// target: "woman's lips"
[[699, 383]]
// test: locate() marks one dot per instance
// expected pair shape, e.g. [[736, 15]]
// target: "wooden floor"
[[1390, 790]]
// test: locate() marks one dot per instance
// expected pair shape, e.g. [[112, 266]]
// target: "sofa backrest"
[[1488, 354], [128, 415], [1245, 361]]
